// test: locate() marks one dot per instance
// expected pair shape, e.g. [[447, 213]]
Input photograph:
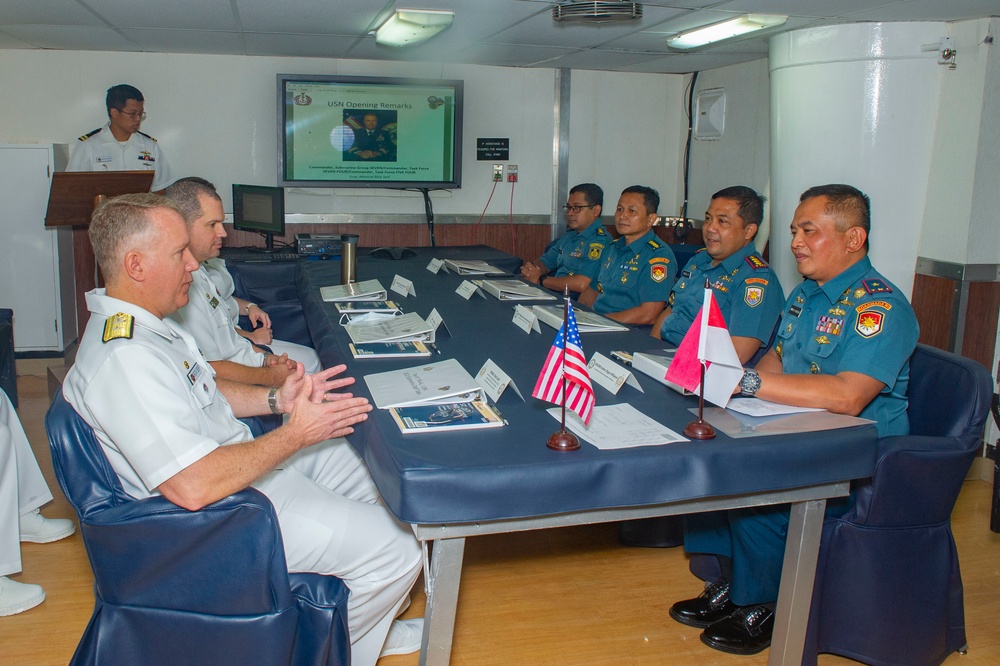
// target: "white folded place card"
[[435, 266], [610, 375], [467, 289], [436, 321], [495, 381], [526, 320], [402, 286]]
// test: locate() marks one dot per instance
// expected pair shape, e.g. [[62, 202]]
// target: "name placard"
[[435, 266], [610, 375], [467, 289], [495, 381], [402, 286], [526, 320]]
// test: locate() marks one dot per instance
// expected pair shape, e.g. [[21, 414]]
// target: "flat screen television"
[[259, 209], [354, 131]]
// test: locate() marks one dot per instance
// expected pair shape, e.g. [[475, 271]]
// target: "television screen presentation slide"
[[369, 132]]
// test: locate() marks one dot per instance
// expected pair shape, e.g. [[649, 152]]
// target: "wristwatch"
[[750, 383], [246, 308], [272, 400]]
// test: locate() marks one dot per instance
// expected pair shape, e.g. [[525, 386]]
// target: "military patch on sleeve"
[[876, 286], [89, 134], [658, 272], [753, 296], [119, 326], [659, 260], [870, 323], [756, 262]]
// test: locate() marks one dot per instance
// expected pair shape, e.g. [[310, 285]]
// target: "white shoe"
[[36, 528], [18, 597], [404, 637]]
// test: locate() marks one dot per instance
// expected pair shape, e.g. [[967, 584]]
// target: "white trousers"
[[333, 522], [307, 356], [22, 486]]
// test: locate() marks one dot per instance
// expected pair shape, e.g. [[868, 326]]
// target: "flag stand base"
[[698, 430], [564, 441]]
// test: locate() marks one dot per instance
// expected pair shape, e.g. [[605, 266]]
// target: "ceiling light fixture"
[[596, 12], [412, 26], [717, 32]]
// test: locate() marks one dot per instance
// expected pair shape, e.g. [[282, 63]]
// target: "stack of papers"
[[409, 327], [514, 290], [586, 322], [357, 307], [618, 427], [449, 416], [472, 267], [439, 383], [369, 290]]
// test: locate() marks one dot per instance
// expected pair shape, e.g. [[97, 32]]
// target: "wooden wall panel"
[[979, 340], [933, 300]]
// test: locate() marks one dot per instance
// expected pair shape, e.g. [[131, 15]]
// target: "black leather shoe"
[[747, 631], [707, 608]]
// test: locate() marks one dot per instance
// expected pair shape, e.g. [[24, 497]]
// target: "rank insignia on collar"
[[876, 286], [822, 339], [756, 262], [800, 300], [658, 272], [753, 296], [119, 327], [869, 324], [814, 368]]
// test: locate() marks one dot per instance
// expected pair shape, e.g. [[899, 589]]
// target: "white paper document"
[[515, 290], [433, 383], [403, 286], [618, 427], [586, 322], [472, 267], [758, 407], [369, 290], [409, 327]]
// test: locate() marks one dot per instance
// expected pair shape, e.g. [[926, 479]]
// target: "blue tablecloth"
[[509, 472]]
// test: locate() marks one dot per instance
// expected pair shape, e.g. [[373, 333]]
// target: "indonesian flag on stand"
[[708, 342], [549, 387]]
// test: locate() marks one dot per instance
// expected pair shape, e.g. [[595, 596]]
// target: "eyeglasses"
[[134, 115], [576, 209]]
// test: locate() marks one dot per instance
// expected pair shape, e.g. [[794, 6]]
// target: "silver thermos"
[[349, 258]]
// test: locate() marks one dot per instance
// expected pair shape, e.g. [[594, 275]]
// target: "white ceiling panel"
[[46, 12], [183, 14], [73, 38], [515, 33], [186, 41]]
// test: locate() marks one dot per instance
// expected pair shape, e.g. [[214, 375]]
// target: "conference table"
[[454, 485]]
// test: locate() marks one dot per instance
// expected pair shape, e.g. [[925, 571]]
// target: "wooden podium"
[[72, 199]]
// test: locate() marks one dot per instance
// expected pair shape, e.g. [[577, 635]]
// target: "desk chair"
[[174, 586], [888, 586]]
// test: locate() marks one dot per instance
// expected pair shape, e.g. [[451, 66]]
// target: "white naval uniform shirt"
[[223, 280], [102, 152], [151, 399], [207, 318]]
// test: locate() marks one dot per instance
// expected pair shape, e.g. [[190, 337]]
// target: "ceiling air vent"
[[604, 11]]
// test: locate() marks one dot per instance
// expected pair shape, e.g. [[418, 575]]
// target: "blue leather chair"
[[888, 586], [174, 586]]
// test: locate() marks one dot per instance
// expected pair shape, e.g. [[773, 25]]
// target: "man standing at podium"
[[119, 145]]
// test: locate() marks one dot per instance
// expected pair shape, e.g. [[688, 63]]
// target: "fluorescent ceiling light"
[[725, 30], [412, 26]]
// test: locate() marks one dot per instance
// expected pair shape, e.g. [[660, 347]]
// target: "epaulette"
[[756, 262], [119, 326], [656, 245], [700, 249], [876, 286], [89, 134], [148, 137]]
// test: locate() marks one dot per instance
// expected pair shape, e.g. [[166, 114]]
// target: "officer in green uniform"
[[746, 289], [638, 270], [844, 343], [580, 250]]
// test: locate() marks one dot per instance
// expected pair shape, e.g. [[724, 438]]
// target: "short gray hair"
[[118, 222]]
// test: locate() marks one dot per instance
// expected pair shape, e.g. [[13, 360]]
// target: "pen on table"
[[434, 347]]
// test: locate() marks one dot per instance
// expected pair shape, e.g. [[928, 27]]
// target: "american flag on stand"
[[579, 392]]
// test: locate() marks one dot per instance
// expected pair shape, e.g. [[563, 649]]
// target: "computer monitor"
[[259, 209]]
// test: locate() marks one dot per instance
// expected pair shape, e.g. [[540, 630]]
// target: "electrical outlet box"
[[511, 173], [497, 173]]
